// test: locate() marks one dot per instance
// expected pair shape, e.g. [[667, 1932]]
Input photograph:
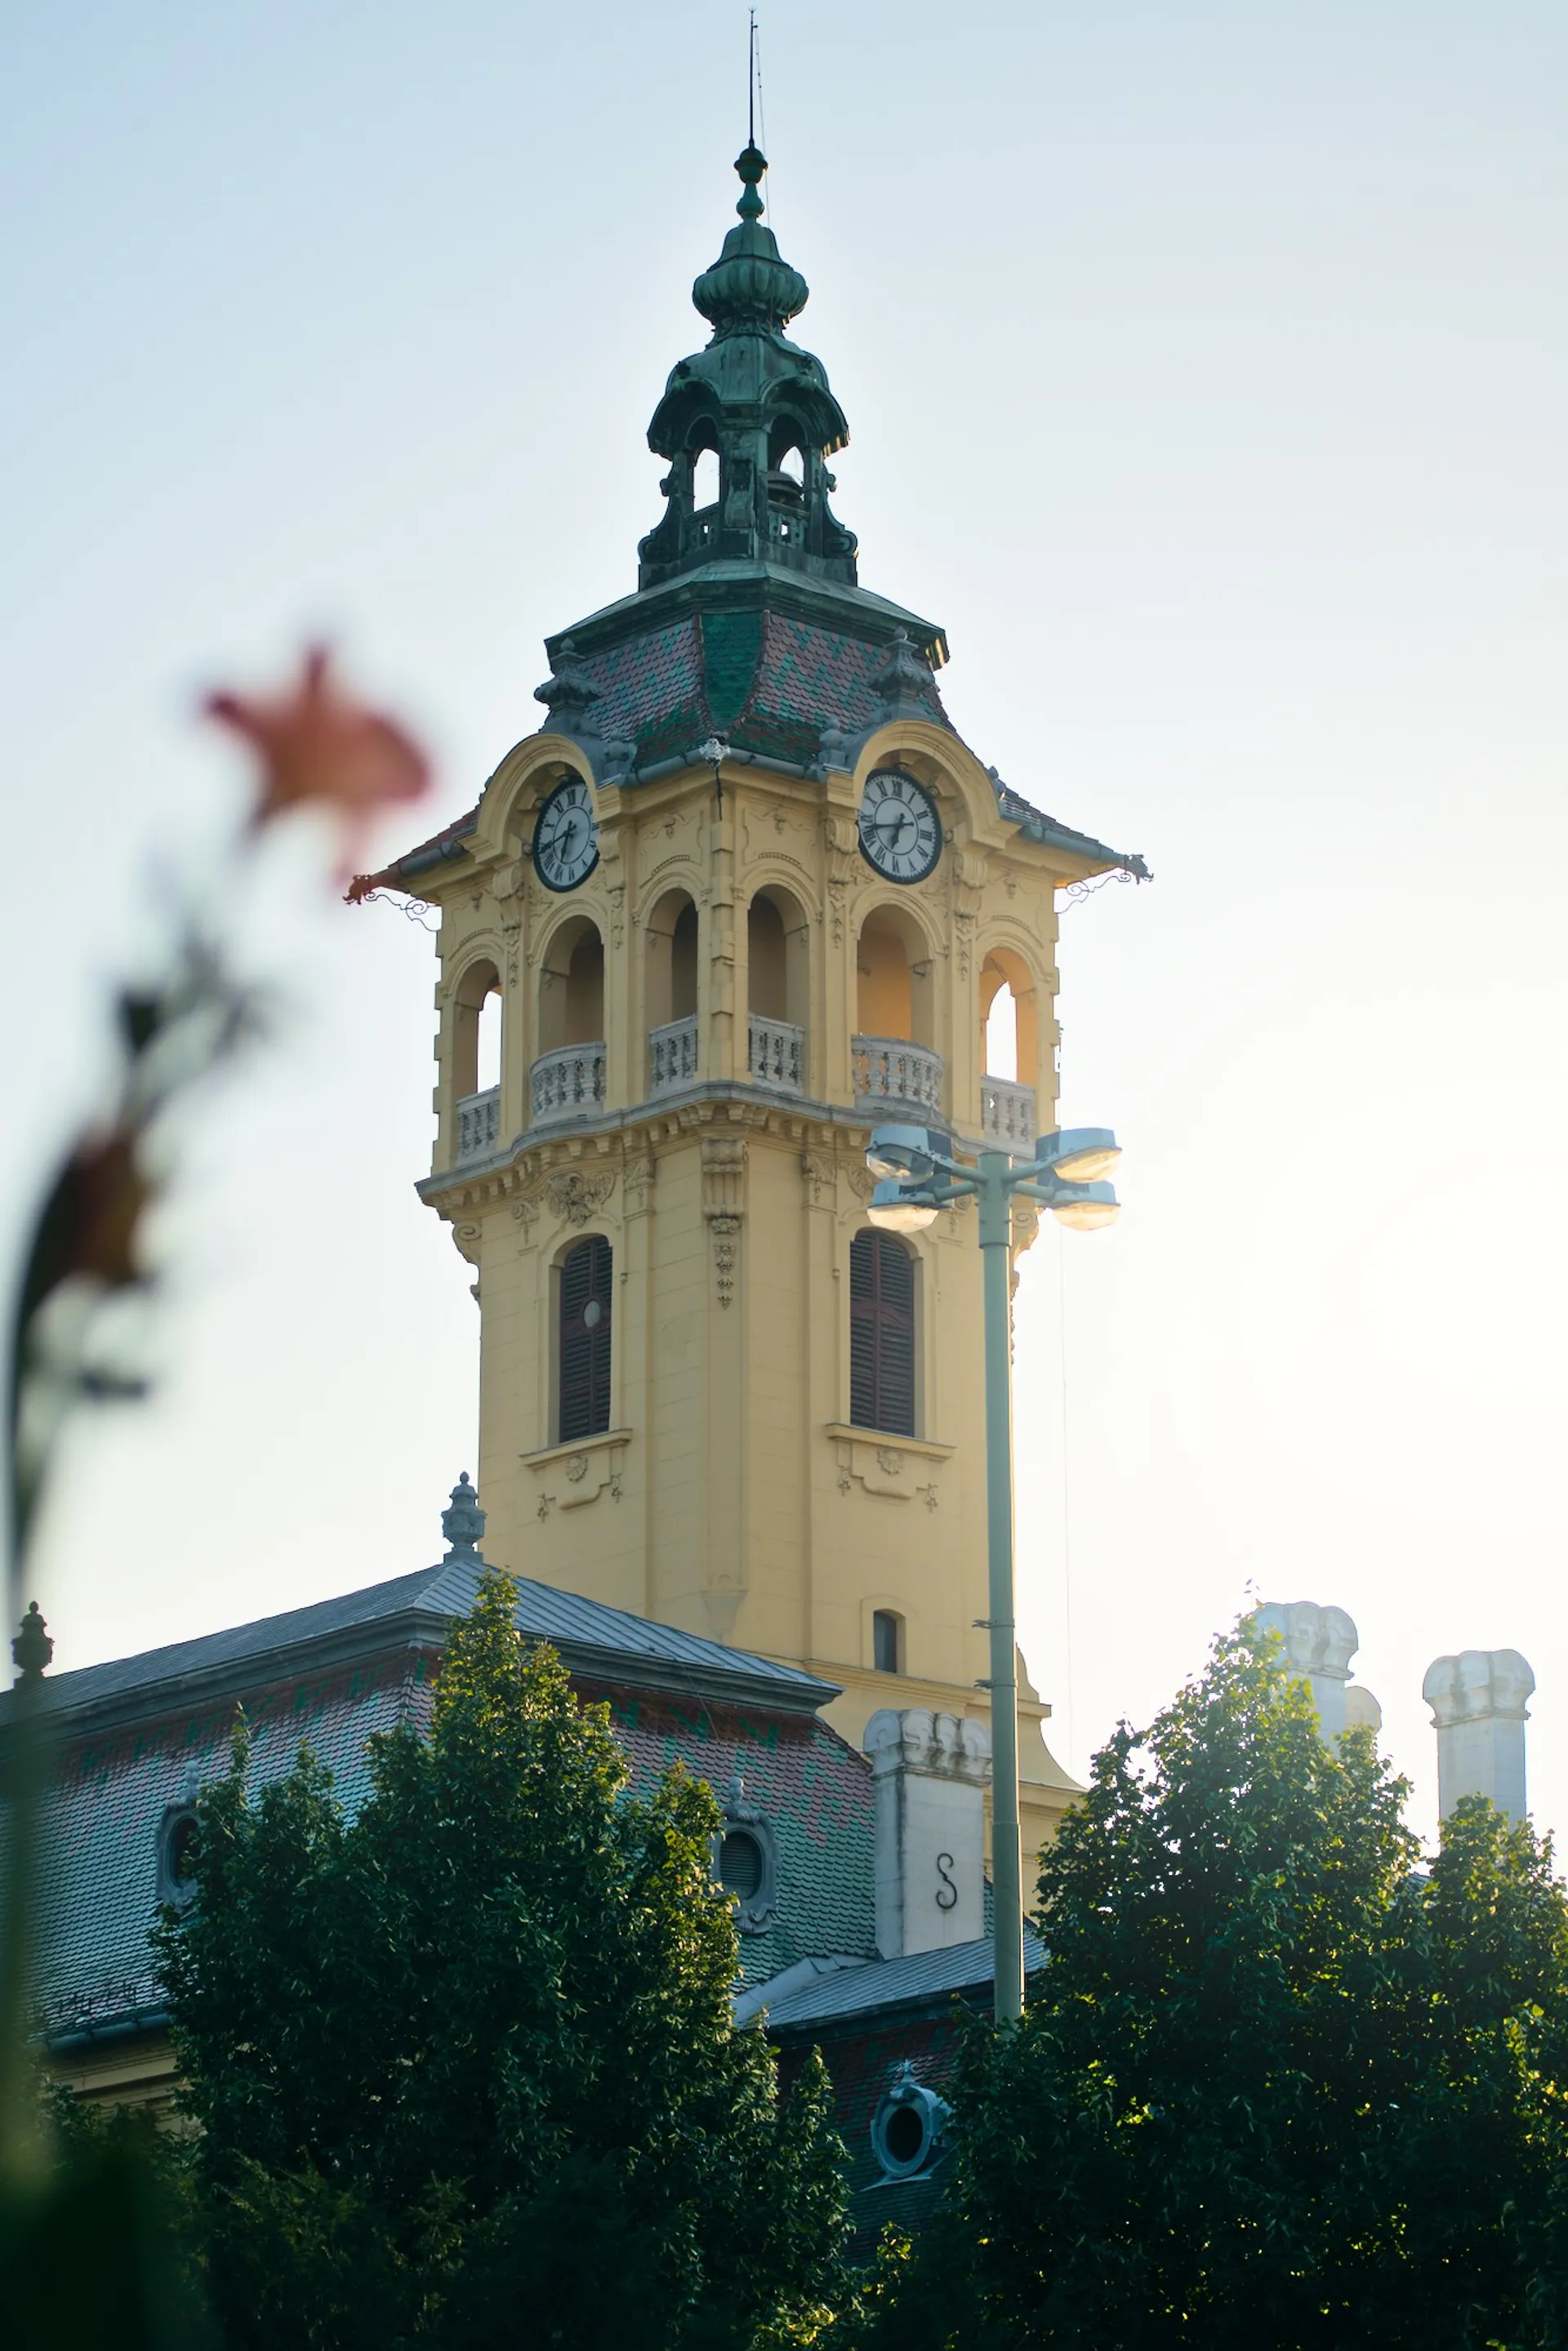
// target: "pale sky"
[[1205, 367]]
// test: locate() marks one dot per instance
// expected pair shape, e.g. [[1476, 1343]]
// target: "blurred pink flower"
[[315, 743]]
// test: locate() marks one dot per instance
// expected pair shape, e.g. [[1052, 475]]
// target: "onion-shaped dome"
[[749, 286]]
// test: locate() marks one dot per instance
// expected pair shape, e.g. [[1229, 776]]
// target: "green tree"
[[462, 2065], [1278, 2085]]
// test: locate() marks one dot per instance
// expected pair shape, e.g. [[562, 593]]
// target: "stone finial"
[[929, 1774], [902, 684], [462, 1524], [1479, 1710], [1318, 1645], [32, 1648], [568, 694]]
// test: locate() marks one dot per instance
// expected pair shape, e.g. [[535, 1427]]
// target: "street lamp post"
[[916, 1175]]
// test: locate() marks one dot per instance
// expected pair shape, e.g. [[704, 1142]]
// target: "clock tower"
[[743, 894]]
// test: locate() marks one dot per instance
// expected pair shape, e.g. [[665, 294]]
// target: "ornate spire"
[[762, 406], [462, 1524], [32, 1648], [750, 287]]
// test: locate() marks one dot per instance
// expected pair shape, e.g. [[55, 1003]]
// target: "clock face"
[[566, 837], [901, 832]]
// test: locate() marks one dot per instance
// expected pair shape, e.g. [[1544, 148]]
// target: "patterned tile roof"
[[136, 1738], [806, 1783]]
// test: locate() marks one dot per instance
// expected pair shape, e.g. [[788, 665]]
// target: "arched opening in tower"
[[476, 1031], [893, 974], [1010, 1035], [670, 975], [571, 987]]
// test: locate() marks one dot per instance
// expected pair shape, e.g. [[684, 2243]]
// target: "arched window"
[[765, 959], [1010, 1013], [477, 1030], [584, 1367], [893, 964], [571, 987], [886, 1641], [881, 1333], [705, 479]]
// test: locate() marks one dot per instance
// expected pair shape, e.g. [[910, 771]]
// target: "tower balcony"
[[893, 1074], [775, 1054], [673, 1057], [1008, 1116], [480, 1124], [567, 1084]]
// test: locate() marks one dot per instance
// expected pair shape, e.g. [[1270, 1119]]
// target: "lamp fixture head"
[[893, 1209], [901, 1154], [1079, 1155], [1096, 1204]]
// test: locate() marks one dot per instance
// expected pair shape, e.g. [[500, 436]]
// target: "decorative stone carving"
[[595, 1465], [726, 1231], [820, 1170], [863, 1182], [892, 1471], [574, 1198], [638, 1179], [841, 839], [723, 1193]]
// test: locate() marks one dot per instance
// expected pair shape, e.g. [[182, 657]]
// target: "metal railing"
[[890, 1071], [567, 1082], [673, 1056], [478, 1123], [775, 1054], [1007, 1116]]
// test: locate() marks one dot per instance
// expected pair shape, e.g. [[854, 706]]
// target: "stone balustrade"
[[892, 1074], [775, 1054], [673, 1056], [1007, 1116], [568, 1082], [480, 1124]]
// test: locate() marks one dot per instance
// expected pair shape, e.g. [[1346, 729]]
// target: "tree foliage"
[[1279, 2083], [463, 2066]]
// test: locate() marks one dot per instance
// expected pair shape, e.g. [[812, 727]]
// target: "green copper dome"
[[748, 285]]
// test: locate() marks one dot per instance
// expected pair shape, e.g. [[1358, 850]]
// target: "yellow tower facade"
[[743, 894]]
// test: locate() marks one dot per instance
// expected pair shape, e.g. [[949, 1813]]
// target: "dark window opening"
[[907, 2133], [741, 1864], [881, 1333], [884, 1642], [585, 1299], [178, 1851]]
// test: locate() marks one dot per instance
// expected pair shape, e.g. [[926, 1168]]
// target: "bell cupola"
[[760, 406]]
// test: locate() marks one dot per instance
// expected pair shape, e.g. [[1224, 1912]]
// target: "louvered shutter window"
[[585, 1339], [881, 1333]]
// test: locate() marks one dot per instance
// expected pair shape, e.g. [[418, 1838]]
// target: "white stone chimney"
[[1319, 1644], [929, 1772], [1478, 1702]]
